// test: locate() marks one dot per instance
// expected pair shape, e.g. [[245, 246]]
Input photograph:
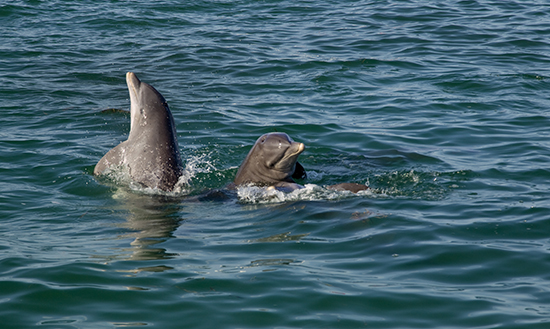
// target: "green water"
[[440, 107]]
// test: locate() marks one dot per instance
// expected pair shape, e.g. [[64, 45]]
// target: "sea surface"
[[441, 107]]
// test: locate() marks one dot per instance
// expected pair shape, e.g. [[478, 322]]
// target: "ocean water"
[[441, 107]]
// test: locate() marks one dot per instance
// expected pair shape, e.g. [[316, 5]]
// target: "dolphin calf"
[[151, 153], [272, 162]]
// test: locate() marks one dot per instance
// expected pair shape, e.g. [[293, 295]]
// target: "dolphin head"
[[147, 106], [271, 160], [280, 152]]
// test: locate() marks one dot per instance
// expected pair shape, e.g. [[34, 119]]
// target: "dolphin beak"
[[133, 87], [133, 83], [132, 80], [297, 148]]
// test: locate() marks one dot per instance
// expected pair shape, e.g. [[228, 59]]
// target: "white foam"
[[310, 192]]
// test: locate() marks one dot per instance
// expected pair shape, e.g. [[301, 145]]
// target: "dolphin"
[[151, 153], [272, 162]]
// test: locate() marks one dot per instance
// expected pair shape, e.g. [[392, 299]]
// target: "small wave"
[[414, 184]]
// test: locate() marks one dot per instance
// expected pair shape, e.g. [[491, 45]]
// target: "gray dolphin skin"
[[272, 162], [151, 152], [352, 187]]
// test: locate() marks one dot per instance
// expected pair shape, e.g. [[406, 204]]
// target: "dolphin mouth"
[[300, 148]]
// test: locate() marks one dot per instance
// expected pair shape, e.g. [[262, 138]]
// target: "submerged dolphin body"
[[151, 153]]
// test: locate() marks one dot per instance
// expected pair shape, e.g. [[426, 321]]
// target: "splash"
[[196, 164], [310, 192], [199, 163]]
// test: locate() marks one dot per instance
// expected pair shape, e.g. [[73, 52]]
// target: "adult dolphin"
[[151, 153]]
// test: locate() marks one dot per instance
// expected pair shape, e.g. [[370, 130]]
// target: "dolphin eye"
[[263, 140]]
